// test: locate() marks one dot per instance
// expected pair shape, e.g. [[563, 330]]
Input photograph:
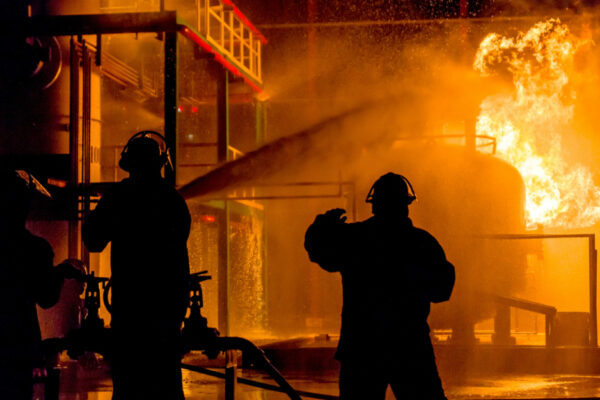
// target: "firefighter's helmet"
[[391, 187]]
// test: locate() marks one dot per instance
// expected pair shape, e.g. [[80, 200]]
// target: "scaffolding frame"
[[242, 63]]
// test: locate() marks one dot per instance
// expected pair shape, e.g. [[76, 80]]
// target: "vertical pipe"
[[502, 325], [74, 147], [99, 49], [171, 66], [207, 17], [86, 136], [549, 330], [260, 121], [224, 229], [472, 111], [230, 374], [224, 269], [222, 115], [260, 125], [86, 118], [312, 57], [593, 254]]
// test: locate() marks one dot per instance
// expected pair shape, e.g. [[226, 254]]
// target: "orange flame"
[[528, 123]]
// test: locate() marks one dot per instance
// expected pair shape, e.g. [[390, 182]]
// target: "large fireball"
[[529, 123]]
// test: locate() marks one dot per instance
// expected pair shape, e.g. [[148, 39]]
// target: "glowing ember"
[[529, 122]]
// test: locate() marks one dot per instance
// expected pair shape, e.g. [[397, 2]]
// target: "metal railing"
[[592, 271], [481, 141], [225, 28]]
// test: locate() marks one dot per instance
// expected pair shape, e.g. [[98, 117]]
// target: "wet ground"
[[80, 385]]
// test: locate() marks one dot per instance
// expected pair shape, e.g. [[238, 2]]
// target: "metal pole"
[[593, 254], [224, 230], [224, 267], [222, 116], [171, 98], [86, 137], [74, 147], [230, 374], [260, 121]]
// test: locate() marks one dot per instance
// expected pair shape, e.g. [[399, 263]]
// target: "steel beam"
[[92, 24]]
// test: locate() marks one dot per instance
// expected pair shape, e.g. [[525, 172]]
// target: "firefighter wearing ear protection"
[[147, 223], [391, 272]]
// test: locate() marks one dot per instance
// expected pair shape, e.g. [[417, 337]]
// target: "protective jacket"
[[147, 224], [28, 278], [391, 272]]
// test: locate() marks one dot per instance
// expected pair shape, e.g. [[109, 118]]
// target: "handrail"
[[227, 30], [491, 139], [502, 318], [592, 268], [523, 304]]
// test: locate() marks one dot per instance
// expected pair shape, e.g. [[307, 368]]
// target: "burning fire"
[[528, 123]]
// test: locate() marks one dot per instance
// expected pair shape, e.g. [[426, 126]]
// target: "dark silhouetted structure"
[[391, 272], [27, 278], [147, 223]]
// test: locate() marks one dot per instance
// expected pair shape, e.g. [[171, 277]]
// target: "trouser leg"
[[361, 380], [146, 372], [16, 382], [415, 375]]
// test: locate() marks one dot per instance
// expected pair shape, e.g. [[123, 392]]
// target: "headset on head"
[[164, 157], [411, 192]]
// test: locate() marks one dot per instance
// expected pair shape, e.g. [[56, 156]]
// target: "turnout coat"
[[391, 272]]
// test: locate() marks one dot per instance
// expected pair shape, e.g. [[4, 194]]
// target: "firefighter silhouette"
[[27, 278], [147, 223], [391, 272]]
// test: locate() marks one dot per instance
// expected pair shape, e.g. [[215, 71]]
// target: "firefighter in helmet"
[[27, 279], [391, 272], [147, 223]]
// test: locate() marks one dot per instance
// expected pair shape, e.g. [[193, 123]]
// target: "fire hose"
[[258, 384]]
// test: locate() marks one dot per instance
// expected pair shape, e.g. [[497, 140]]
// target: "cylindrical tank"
[[463, 198]]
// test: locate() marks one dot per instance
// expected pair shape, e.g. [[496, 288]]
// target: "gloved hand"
[[332, 216], [72, 269]]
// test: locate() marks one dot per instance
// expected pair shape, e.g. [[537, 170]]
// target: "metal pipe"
[[222, 115], [74, 146], [170, 102], [86, 137], [593, 254]]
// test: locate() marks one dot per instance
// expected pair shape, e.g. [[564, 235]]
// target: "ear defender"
[[164, 157]]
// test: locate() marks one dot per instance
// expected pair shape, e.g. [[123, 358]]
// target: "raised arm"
[[325, 240]]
